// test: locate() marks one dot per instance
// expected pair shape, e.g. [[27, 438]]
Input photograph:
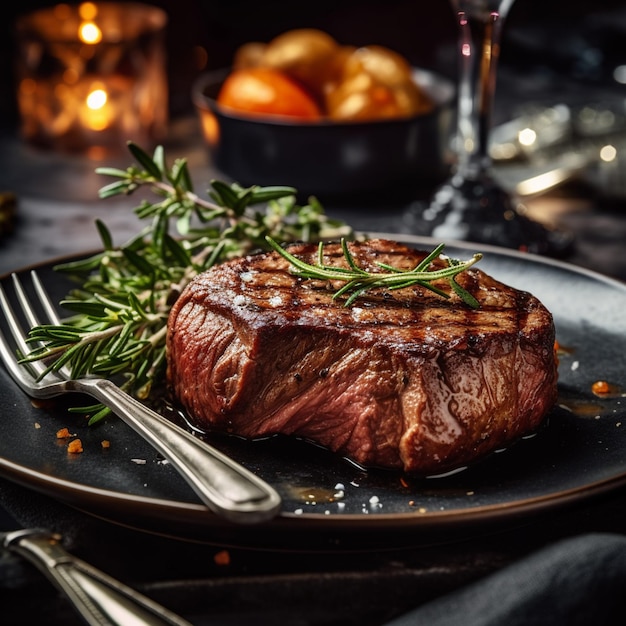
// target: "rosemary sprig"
[[119, 309], [358, 281]]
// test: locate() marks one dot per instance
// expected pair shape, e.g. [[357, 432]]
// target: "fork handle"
[[226, 487], [100, 599]]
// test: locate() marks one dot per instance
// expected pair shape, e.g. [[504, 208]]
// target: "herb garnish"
[[119, 310], [358, 281], [120, 307]]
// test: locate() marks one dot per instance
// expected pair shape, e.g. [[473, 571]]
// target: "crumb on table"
[[75, 446]]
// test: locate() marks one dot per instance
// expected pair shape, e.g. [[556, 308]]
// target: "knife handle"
[[99, 599]]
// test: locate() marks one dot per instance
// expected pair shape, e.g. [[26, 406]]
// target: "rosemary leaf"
[[152, 169]]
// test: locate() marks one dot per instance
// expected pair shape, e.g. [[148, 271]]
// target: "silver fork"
[[227, 488]]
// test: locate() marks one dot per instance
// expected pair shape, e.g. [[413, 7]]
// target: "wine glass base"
[[480, 211]]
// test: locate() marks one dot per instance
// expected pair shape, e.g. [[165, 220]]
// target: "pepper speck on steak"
[[403, 379]]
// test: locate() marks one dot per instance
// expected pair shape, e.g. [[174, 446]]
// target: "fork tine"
[[27, 308], [7, 352], [44, 298], [7, 355], [50, 311], [52, 317], [19, 336], [9, 360], [11, 317]]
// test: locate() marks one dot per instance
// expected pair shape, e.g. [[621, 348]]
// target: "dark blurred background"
[[583, 38]]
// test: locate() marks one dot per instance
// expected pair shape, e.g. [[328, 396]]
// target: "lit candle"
[[92, 76]]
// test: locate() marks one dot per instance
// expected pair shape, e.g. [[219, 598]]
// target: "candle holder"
[[92, 76]]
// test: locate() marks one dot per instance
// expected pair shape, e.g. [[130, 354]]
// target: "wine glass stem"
[[480, 27]]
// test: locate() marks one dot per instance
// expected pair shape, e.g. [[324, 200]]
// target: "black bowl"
[[329, 159]]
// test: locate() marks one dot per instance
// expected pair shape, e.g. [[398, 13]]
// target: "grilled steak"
[[402, 379]]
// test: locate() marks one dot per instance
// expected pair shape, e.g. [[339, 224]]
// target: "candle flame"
[[96, 99], [89, 33], [98, 114]]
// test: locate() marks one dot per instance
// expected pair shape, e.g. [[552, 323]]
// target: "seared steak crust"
[[403, 379]]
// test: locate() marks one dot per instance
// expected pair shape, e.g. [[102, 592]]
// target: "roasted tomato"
[[266, 91]]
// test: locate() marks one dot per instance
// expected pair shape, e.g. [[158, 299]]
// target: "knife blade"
[[100, 599]]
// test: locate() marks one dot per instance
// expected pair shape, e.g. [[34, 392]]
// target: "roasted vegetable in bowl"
[[306, 74], [265, 91], [328, 119]]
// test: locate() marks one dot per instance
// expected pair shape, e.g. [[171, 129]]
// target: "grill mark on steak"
[[403, 379]]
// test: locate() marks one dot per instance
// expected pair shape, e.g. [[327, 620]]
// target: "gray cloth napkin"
[[575, 582]]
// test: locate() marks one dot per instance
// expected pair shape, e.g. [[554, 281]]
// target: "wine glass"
[[471, 205]]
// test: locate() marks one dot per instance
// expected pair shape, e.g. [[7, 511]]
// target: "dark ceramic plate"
[[579, 453]]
